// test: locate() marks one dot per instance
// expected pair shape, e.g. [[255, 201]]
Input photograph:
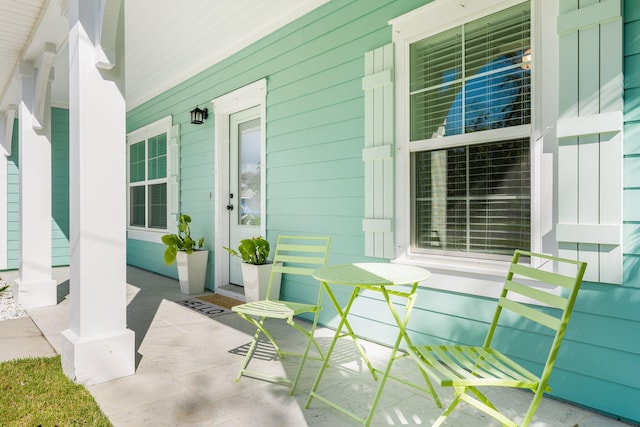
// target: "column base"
[[42, 293], [96, 359]]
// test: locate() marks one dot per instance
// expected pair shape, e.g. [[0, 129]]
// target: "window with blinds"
[[148, 183], [473, 198]]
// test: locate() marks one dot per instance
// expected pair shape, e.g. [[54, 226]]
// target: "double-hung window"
[[469, 114], [148, 177]]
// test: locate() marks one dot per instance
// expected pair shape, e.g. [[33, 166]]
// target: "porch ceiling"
[[166, 41]]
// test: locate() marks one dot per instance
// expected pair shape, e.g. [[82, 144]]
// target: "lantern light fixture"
[[198, 116]]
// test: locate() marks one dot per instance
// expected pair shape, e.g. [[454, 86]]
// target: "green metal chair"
[[294, 255], [466, 368]]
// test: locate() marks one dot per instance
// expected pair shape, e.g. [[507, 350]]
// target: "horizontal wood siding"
[[145, 255], [315, 185], [13, 203], [60, 186], [618, 308], [59, 196]]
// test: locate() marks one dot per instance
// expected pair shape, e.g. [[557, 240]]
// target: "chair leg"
[[254, 344], [446, 412], [533, 406], [482, 397], [432, 390], [260, 326], [247, 358], [309, 335], [271, 339], [310, 339], [484, 405]]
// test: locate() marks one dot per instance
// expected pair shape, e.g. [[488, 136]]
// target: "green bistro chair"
[[467, 368], [294, 255]]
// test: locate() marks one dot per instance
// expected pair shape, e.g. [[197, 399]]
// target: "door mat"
[[202, 307], [220, 300]]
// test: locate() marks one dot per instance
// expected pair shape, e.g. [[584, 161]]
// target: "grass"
[[35, 392]]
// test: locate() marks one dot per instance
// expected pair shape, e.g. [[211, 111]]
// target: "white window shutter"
[[590, 132], [378, 152], [173, 185]]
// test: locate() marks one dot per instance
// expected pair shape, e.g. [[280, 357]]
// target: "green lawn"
[[35, 392]]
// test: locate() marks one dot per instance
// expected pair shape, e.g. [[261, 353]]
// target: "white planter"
[[256, 282], [192, 271]]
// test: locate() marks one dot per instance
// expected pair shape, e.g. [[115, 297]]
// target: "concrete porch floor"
[[187, 362]]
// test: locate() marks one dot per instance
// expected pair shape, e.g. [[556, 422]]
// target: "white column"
[[35, 286], [97, 347]]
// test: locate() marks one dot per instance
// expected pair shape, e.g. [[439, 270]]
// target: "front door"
[[245, 182]]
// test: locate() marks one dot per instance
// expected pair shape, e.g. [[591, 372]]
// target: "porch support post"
[[97, 347], [35, 286]]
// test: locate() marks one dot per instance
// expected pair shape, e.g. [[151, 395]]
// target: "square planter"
[[256, 282], [192, 271]]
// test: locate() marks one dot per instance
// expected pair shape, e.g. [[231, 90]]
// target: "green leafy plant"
[[252, 251], [181, 241]]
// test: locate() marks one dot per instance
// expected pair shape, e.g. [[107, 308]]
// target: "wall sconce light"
[[198, 116]]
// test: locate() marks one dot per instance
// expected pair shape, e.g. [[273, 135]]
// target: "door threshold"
[[231, 291]]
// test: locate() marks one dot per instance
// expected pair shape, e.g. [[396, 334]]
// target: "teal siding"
[[315, 185], [59, 187], [620, 307], [142, 254], [13, 203]]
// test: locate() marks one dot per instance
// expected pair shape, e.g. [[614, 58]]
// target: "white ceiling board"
[[17, 21], [166, 41]]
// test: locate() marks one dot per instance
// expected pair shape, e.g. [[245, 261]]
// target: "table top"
[[375, 273]]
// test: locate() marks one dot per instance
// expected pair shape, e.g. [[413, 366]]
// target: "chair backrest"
[[529, 292], [300, 255]]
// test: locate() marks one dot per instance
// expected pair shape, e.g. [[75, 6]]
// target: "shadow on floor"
[[142, 309], [63, 291]]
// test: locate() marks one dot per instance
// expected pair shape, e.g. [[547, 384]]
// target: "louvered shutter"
[[174, 177], [377, 154], [590, 132]]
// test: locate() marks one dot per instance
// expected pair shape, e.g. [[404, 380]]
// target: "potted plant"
[[256, 269], [191, 259]]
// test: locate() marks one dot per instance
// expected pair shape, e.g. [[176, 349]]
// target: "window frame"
[[156, 128], [443, 15]]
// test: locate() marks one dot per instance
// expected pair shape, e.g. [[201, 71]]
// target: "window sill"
[[461, 275], [146, 235]]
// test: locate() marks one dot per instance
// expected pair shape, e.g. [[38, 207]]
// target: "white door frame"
[[223, 106]]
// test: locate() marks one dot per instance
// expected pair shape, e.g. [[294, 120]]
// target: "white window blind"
[[473, 199], [472, 78]]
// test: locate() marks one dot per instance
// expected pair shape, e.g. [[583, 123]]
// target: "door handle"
[[230, 206]]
